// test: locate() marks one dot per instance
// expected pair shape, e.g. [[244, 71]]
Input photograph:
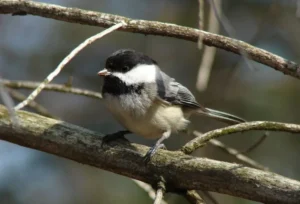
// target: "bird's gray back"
[[173, 92]]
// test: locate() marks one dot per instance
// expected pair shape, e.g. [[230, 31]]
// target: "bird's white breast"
[[148, 119]]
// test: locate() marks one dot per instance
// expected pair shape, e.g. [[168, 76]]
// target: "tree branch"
[[180, 171], [193, 197], [63, 63], [75, 15], [146, 187], [51, 87], [201, 140], [39, 108], [238, 155], [161, 189]]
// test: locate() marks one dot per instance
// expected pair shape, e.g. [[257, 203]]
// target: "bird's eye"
[[125, 68]]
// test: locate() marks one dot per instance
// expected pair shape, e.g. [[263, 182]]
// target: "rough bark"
[[181, 172]]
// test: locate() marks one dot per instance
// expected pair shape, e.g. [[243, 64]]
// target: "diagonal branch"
[[65, 61], [180, 171], [193, 197], [238, 155], [75, 15], [34, 105]]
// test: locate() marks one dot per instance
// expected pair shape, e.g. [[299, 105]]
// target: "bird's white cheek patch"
[[139, 74]]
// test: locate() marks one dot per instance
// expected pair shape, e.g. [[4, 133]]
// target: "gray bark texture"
[[181, 172]]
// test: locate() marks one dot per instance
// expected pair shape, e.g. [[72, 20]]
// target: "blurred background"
[[31, 47]]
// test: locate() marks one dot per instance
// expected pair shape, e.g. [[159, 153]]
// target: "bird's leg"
[[118, 135], [157, 146]]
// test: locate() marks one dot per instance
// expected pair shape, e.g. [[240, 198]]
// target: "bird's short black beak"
[[104, 72]]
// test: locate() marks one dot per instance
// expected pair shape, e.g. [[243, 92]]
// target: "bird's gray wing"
[[173, 92]]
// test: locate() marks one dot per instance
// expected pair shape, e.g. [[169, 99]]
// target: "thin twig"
[[232, 152], [9, 103], [208, 52], [65, 61], [201, 22], [231, 31], [209, 197], [257, 143], [193, 197], [239, 156], [147, 188], [194, 144], [34, 105], [161, 189], [75, 15], [51, 87], [298, 9]]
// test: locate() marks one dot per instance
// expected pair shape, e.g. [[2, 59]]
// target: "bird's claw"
[[152, 151]]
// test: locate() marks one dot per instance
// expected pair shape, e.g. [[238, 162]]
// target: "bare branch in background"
[[257, 143], [200, 141], [239, 156], [146, 187], [298, 9], [201, 22], [179, 170], [161, 189], [51, 87], [230, 30], [209, 197], [65, 61], [75, 15], [193, 197], [208, 52], [232, 152], [39, 108], [8, 102]]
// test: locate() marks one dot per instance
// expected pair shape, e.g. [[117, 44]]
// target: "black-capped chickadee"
[[148, 102]]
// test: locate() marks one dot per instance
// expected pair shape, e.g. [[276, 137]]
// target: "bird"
[[148, 102]]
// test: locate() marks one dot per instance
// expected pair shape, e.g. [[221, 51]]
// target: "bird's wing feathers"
[[173, 92]]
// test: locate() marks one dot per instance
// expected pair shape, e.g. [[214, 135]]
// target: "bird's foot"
[[115, 136], [152, 151]]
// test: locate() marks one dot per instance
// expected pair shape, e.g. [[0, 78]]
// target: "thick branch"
[[256, 125], [86, 17], [180, 171]]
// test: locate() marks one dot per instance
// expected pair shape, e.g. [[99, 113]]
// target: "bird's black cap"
[[125, 59]]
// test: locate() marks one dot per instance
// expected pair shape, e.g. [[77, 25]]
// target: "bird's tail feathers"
[[222, 116]]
